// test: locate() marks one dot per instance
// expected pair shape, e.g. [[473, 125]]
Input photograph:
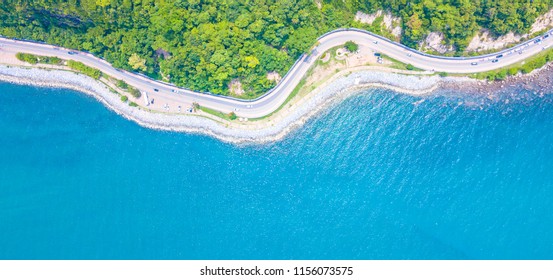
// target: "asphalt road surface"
[[274, 98]]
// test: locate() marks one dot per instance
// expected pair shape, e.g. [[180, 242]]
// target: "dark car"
[[499, 56], [71, 53], [377, 54], [495, 60], [155, 89]]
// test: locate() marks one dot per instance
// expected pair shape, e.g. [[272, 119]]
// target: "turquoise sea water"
[[378, 177]]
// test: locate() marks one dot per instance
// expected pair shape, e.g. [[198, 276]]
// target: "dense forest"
[[205, 44]]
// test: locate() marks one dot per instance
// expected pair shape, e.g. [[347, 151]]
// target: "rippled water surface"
[[380, 176]]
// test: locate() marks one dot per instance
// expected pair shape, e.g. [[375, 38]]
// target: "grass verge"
[[89, 71], [396, 64], [216, 113], [525, 67]]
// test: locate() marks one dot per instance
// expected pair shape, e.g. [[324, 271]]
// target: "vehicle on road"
[[266, 104], [71, 53]]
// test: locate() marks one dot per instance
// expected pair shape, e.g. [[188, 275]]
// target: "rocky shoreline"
[[538, 81], [321, 98]]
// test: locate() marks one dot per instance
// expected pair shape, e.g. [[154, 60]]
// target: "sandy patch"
[[542, 22], [434, 42], [343, 60], [235, 87], [484, 41], [367, 18], [389, 22], [274, 76], [397, 31], [319, 4]]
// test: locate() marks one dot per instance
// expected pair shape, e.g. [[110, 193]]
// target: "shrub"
[[122, 84], [549, 56], [124, 98], [196, 106], [50, 60], [501, 75], [442, 74], [526, 68], [232, 116], [132, 104], [410, 67], [134, 92], [29, 58], [513, 71], [351, 46]]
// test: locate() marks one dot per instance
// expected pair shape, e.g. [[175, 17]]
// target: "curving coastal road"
[[272, 100]]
